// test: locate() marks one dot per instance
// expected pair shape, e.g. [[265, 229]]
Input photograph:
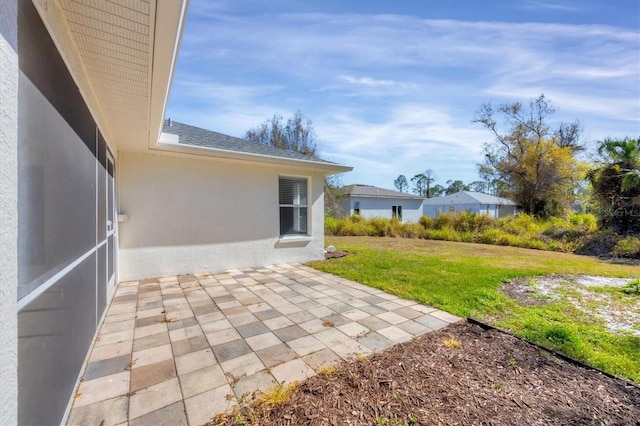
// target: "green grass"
[[464, 279]]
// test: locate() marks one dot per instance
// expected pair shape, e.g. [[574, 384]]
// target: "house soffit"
[[112, 44]]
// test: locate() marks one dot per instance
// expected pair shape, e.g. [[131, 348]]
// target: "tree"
[[429, 178], [296, 135], [419, 184], [478, 186], [616, 184], [422, 183], [454, 186], [537, 165], [401, 183], [333, 195], [437, 191]]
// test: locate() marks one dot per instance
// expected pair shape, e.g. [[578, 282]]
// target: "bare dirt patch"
[[581, 291], [461, 374]]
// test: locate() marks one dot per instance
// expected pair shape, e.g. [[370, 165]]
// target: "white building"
[[369, 201], [474, 202]]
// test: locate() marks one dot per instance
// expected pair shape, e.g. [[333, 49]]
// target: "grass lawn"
[[464, 279]]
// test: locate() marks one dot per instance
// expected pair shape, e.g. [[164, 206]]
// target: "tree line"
[[423, 185], [538, 165]]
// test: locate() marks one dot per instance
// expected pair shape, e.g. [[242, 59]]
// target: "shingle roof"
[[468, 197], [191, 135], [375, 192]]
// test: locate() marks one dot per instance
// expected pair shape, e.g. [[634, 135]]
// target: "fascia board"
[[244, 156], [168, 30]]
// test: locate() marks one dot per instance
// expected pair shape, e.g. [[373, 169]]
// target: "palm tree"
[[625, 156], [616, 184]]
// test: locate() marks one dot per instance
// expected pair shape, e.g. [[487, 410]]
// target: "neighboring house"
[[369, 201], [475, 202], [93, 192]]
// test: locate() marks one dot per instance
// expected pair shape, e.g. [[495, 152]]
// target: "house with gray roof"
[[475, 202], [370, 201], [218, 202]]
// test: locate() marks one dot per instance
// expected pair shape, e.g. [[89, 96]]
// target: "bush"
[[628, 247], [521, 224], [426, 222], [574, 233], [587, 221], [331, 225], [412, 230]]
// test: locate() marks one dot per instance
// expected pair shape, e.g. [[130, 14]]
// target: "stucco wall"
[[8, 212], [187, 215], [381, 207]]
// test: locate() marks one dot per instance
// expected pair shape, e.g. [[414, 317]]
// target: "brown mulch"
[[337, 254], [492, 378]]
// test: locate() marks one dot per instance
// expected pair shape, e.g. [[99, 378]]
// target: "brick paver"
[[179, 350]]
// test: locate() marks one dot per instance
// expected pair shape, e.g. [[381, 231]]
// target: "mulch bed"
[[491, 378], [337, 254]]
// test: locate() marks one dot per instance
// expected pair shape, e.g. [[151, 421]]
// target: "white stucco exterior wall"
[[191, 215], [8, 212], [381, 207]]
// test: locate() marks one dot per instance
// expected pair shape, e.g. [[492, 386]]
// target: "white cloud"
[[369, 82], [396, 94]]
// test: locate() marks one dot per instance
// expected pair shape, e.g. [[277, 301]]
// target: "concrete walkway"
[[179, 350]]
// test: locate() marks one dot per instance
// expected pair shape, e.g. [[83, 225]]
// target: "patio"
[[179, 350]]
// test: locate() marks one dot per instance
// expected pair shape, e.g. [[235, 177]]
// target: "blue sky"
[[392, 87]]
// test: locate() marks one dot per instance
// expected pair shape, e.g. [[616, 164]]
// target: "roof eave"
[[387, 196], [171, 18], [172, 147]]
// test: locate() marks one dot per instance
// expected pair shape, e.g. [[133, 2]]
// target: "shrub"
[[356, 226], [394, 228], [628, 247], [380, 225], [412, 230], [574, 233], [587, 221], [331, 225], [521, 224], [444, 220], [426, 222], [448, 234]]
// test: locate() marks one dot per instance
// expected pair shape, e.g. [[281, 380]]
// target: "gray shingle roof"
[[375, 192], [468, 197], [191, 135]]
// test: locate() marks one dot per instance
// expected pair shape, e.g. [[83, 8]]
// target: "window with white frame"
[[293, 206]]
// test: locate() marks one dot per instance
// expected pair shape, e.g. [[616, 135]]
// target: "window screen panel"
[[293, 206], [293, 221], [293, 191]]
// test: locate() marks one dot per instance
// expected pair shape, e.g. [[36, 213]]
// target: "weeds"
[[526, 231], [632, 288], [256, 405], [329, 371], [451, 343]]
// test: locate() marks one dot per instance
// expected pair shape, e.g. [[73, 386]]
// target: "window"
[[356, 207], [396, 211], [293, 206]]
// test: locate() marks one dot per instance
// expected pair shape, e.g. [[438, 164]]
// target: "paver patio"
[[179, 350]]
